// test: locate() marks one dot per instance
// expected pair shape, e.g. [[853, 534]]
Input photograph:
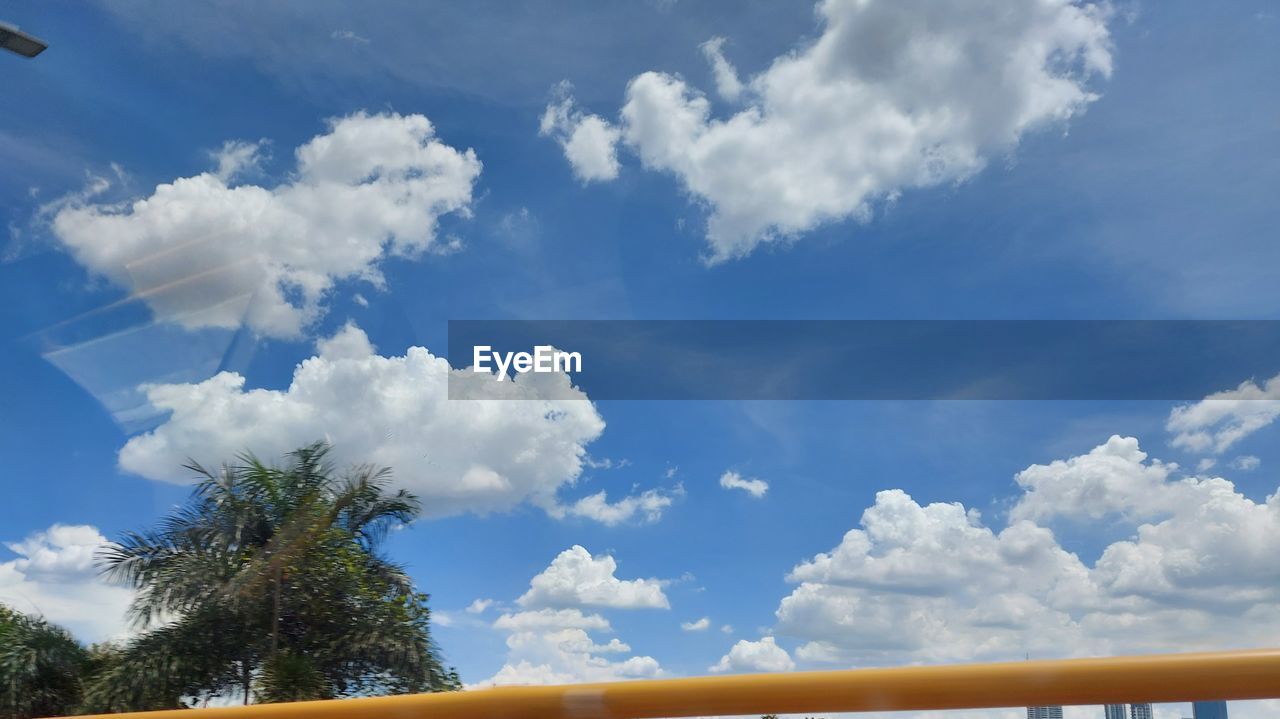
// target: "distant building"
[[1209, 710], [1136, 711], [1045, 713]]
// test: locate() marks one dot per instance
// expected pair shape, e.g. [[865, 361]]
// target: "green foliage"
[[118, 682], [291, 677], [41, 667], [269, 583]]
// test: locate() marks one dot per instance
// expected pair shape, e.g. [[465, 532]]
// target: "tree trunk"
[[246, 675], [275, 616]]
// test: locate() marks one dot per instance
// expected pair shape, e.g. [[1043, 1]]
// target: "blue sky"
[[1139, 187]]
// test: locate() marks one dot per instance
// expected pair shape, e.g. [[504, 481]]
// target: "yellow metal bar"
[[1253, 674]]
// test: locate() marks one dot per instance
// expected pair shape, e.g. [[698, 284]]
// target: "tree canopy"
[[270, 584], [41, 667]]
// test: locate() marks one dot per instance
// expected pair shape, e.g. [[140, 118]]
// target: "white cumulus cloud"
[[893, 95], [1246, 463], [577, 579], [728, 86], [204, 251], [748, 656], [479, 606], [551, 642], [457, 456], [1222, 419], [589, 141], [543, 652], [647, 507], [53, 575], [931, 583], [1113, 478], [700, 625], [754, 487], [551, 619]]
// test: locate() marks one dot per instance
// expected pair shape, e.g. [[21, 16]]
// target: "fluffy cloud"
[[646, 506], [932, 583], [1112, 478], [458, 456], [479, 606], [762, 656], [1222, 419], [535, 620], [700, 625], [53, 576], [728, 86], [589, 141], [1246, 463], [1217, 551], [575, 578], [556, 648], [754, 487], [893, 95], [551, 642], [204, 251]]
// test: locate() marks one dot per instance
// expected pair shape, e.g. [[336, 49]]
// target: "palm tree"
[[270, 583], [41, 667]]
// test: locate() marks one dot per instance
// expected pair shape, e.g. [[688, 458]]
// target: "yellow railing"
[[1253, 674]]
